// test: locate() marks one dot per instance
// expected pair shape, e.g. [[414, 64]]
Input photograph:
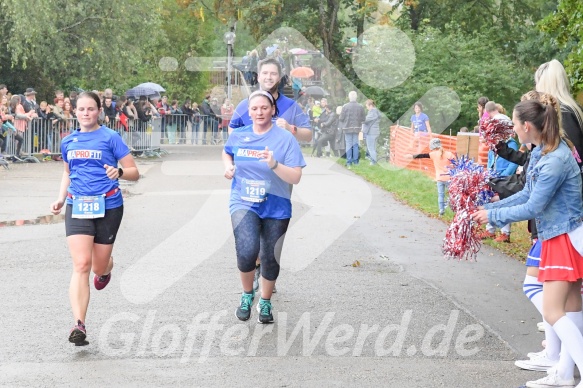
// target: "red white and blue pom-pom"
[[468, 189], [494, 131]]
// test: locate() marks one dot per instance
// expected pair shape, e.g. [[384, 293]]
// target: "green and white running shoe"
[[264, 309], [244, 310]]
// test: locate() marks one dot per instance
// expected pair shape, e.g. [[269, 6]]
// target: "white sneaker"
[[551, 381], [540, 363], [537, 354], [540, 326]]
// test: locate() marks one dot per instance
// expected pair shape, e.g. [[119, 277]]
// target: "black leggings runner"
[[258, 237]]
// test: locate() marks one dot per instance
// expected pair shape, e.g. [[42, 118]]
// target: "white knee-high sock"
[[566, 365], [571, 338], [533, 289], [553, 347]]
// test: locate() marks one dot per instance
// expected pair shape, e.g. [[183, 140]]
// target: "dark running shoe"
[[101, 281], [264, 310], [78, 334], [244, 310]]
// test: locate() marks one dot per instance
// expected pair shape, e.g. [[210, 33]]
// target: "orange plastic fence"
[[404, 143]]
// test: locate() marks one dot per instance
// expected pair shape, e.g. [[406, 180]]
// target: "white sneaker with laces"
[[536, 354], [551, 381], [540, 363]]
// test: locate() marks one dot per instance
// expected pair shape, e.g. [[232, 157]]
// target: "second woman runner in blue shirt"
[[263, 160]]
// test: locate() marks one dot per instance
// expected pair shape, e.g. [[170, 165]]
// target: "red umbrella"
[[302, 72]]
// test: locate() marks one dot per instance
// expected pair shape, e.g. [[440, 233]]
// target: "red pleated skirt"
[[560, 260]]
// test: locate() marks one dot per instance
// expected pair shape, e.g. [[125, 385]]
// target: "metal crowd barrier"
[[194, 130], [43, 137]]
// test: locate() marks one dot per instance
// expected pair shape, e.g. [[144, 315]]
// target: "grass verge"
[[416, 190]]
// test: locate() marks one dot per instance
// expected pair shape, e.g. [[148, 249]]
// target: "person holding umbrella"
[[296, 87]]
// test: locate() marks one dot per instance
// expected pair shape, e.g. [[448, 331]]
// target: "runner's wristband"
[[294, 129], [120, 172], [275, 165]]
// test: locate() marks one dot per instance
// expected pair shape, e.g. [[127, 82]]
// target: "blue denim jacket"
[[551, 195]]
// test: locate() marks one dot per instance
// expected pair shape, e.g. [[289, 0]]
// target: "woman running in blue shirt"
[[263, 160], [94, 204]]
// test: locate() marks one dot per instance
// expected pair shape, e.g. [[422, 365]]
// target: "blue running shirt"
[[287, 109], [86, 153], [419, 122], [243, 145]]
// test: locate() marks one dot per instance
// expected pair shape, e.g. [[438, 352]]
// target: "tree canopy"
[[80, 43], [475, 48], [565, 25]]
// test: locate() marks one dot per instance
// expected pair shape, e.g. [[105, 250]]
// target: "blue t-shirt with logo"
[[86, 153], [287, 109], [419, 122], [255, 186]]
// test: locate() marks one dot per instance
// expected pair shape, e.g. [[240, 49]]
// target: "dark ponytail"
[[548, 99]]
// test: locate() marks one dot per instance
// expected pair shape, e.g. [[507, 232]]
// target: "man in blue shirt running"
[[291, 117]]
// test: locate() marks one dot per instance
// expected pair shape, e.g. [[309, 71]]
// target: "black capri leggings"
[[258, 237]]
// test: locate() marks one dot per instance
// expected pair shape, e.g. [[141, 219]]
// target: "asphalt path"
[[364, 299]]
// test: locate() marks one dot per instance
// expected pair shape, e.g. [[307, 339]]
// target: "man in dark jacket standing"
[[208, 117], [328, 122], [350, 123]]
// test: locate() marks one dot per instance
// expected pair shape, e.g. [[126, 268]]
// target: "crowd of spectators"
[[35, 127]]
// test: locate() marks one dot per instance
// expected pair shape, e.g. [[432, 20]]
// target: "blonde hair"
[[551, 78]]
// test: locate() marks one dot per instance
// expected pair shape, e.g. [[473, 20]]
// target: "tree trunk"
[[415, 16], [360, 24], [328, 10]]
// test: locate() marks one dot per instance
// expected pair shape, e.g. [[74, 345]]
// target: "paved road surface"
[[404, 318]]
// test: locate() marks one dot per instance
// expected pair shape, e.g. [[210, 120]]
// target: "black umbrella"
[[316, 90]]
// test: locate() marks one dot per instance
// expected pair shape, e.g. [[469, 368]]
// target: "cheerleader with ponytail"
[[552, 196]]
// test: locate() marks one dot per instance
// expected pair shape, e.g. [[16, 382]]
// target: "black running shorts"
[[104, 229]]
